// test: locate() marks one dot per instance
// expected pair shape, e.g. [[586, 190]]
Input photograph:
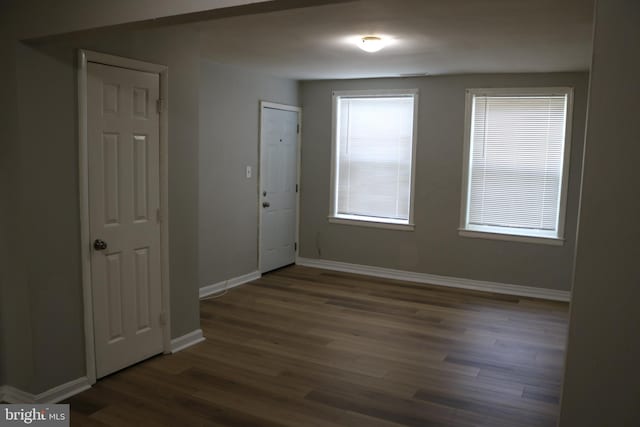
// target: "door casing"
[[84, 57], [298, 110]]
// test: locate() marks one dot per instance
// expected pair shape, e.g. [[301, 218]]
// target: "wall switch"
[[249, 172]]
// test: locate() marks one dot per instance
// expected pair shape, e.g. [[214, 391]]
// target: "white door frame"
[[84, 57], [284, 107]]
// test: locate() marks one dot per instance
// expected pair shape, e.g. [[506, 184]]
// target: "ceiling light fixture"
[[371, 43]]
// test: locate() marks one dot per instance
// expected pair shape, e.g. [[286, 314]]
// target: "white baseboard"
[[187, 340], [228, 284], [11, 394], [432, 279], [14, 395]]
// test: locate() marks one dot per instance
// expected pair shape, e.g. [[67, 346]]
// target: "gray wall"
[[7, 93], [434, 247], [5, 176], [46, 285], [16, 342], [602, 384], [229, 136]]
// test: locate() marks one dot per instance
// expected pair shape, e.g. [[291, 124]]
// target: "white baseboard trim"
[[56, 394], [15, 395], [187, 340], [432, 279], [228, 284]]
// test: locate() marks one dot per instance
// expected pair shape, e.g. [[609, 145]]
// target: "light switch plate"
[[249, 172]]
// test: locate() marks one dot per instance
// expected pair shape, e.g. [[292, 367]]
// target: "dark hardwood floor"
[[308, 347]]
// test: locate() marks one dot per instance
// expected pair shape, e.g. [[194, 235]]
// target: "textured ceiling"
[[429, 36]]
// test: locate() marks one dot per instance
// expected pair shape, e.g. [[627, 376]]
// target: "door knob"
[[266, 204], [99, 245]]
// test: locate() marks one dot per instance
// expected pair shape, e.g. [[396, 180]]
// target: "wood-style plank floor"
[[308, 347]]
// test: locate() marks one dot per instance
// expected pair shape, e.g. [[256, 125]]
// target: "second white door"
[[278, 187]]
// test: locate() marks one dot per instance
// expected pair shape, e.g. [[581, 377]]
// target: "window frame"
[[505, 233], [366, 221]]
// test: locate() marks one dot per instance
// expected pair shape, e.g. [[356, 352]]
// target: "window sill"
[[477, 234], [371, 223]]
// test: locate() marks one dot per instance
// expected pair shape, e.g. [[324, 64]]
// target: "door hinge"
[[158, 215], [163, 319], [298, 128], [295, 246], [296, 188], [159, 105]]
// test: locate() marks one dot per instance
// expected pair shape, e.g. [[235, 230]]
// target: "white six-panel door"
[[278, 179], [124, 202]]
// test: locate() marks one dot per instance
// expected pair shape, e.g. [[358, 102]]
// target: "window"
[[373, 158], [516, 157]]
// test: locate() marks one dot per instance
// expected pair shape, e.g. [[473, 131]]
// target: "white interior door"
[[124, 202], [278, 188]]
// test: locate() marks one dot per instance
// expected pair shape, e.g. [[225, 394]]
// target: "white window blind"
[[374, 146], [516, 160]]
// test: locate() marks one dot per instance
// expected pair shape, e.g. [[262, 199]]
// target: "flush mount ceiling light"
[[371, 43]]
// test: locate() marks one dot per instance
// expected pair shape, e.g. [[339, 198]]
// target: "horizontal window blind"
[[516, 162], [374, 147]]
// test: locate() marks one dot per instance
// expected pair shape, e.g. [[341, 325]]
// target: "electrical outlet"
[[249, 172]]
